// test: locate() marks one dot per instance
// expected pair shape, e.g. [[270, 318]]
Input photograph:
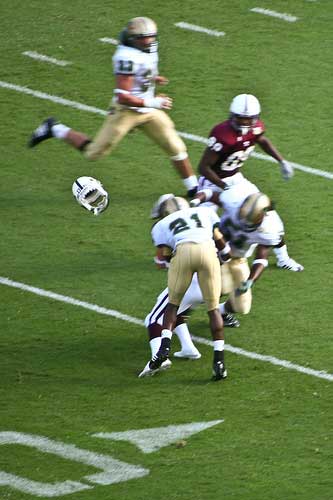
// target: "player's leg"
[[179, 279], [154, 333], [116, 125], [283, 260], [239, 270], [209, 278], [280, 250], [161, 129], [227, 287]]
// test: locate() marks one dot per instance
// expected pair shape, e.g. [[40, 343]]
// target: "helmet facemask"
[[243, 124], [141, 33], [90, 194], [244, 112]]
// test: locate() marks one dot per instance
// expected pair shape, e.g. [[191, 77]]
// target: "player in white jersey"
[[188, 235], [250, 225], [134, 105]]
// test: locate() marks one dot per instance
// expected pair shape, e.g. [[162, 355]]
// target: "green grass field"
[[68, 372]]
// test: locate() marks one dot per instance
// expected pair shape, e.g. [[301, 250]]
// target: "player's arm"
[[266, 145], [209, 158], [124, 85], [162, 257], [223, 247], [161, 80], [204, 195], [259, 264]]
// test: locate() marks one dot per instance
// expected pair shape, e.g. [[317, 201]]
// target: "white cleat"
[[193, 354], [149, 372], [290, 265]]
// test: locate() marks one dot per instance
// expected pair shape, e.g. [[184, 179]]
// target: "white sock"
[[281, 253], [155, 345], [60, 131], [166, 334], [222, 308], [184, 336], [218, 345], [190, 182]]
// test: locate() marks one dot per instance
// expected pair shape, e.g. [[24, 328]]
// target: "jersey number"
[[179, 225], [126, 66], [236, 159]]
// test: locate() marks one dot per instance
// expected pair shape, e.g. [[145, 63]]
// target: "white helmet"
[[137, 28], [253, 210], [90, 193], [167, 204], [244, 112]]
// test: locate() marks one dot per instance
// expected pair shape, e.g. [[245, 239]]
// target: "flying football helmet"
[[167, 204], [90, 194], [253, 210], [244, 112], [136, 30]]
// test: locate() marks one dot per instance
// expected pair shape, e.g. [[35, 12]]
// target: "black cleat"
[[159, 358], [219, 371], [43, 132], [230, 321]]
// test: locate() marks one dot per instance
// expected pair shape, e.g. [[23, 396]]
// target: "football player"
[[229, 145], [250, 224], [134, 105], [191, 237], [154, 322]]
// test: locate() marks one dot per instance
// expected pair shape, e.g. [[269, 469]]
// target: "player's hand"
[[159, 102], [195, 202], [244, 287], [161, 80], [287, 170], [161, 263]]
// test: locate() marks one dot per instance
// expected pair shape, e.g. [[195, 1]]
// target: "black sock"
[[218, 356]]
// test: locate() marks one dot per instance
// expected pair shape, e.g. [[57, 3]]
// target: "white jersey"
[[243, 242], [142, 66], [189, 225]]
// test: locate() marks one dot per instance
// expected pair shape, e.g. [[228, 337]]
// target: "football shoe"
[[149, 372], [43, 132], [219, 371], [290, 264], [230, 321], [190, 354]]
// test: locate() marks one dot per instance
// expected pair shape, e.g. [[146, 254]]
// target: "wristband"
[[225, 250]]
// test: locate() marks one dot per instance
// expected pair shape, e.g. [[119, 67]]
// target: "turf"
[[67, 372]]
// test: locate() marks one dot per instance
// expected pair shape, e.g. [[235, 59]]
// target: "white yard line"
[[47, 59], [112, 41], [281, 15], [200, 29], [52, 98], [186, 135], [116, 314]]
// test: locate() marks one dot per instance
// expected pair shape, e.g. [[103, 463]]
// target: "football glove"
[[287, 170], [244, 287]]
